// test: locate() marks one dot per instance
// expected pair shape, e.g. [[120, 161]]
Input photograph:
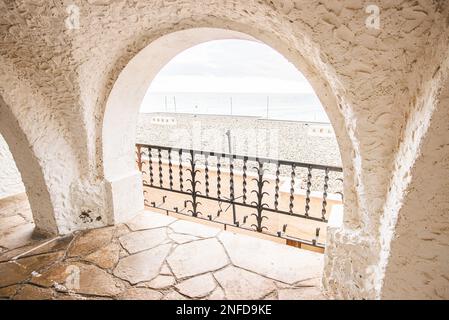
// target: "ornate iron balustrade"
[[253, 184]]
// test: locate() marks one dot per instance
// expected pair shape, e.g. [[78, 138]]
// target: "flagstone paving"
[[288, 265], [197, 287], [150, 258], [197, 257]]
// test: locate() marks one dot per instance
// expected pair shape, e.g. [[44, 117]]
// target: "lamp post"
[[268, 105], [231, 106], [228, 134]]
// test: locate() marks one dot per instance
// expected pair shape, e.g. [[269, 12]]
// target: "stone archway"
[[31, 172], [124, 183], [415, 257]]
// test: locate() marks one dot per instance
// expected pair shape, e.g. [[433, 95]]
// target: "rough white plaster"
[[119, 127], [57, 92], [10, 179]]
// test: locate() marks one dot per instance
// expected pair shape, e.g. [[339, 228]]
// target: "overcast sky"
[[230, 66]]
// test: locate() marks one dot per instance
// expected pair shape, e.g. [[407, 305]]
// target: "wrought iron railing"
[[261, 188]]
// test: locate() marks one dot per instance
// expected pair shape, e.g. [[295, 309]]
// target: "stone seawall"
[[305, 142]]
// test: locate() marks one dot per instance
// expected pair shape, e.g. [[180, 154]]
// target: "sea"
[[274, 106]]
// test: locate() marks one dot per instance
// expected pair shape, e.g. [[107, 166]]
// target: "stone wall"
[[10, 179]]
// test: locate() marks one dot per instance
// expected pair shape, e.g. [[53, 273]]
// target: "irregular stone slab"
[[306, 293], [29, 292], [123, 253], [197, 257], [281, 285], [69, 296], [56, 245], [194, 229], [314, 282], [121, 230], [8, 255], [91, 241], [14, 205], [272, 296], [142, 267], [107, 257], [182, 238], [162, 282], [173, 295], [8, 223], [149, 220], [79, 278], [165, 271], [218, 294], [20, 270], [197, 287], [143, 240], [44, 246], [167, 241], [140, 294], [72, 296], [273, 260], [56, 275], [240, 284]]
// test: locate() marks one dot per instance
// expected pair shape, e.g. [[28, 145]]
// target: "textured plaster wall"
[[286, 140], [57, 86], [417, 262], [10, 179]]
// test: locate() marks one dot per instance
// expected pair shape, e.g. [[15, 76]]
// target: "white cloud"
[[242, 84], [227, 67]]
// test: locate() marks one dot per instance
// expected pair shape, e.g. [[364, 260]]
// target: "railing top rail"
[[241, 157]]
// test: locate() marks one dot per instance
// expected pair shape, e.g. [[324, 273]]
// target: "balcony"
[[285, 201], [216, 227]]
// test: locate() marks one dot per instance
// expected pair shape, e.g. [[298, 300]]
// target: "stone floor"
[[153, 256]]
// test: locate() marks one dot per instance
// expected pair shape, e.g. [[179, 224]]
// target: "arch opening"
[[243, 100], [130, 89]]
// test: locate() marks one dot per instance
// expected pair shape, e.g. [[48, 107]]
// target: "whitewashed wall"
[[10, 179], [69, 101]]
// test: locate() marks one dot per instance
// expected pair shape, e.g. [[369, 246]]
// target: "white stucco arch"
[[119, 124], [371, 83]]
